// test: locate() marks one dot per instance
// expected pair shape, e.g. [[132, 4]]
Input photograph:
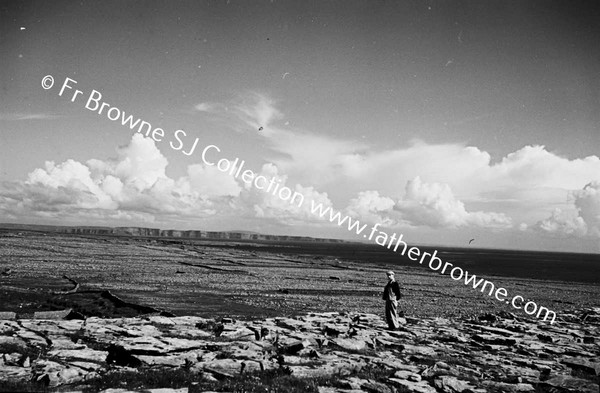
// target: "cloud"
[[535, 167], [587, 202], [208, 180], [132, 186], [206, 107], [420, 185], [268, 205], [563, 223], [434, 205], [583, 219], [249, 111], [69, 183], [369, 206], [140, 163], [27, 116], [423, 204], [256, 110], [526, 184]]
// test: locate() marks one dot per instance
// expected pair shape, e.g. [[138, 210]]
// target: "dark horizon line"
[[4, 225]]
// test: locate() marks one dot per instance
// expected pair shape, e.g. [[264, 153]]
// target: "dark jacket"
[[395, 288]]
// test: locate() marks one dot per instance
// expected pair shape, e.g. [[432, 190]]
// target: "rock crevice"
[[503, 354]]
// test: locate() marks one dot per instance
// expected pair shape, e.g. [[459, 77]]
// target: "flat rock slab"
[[567, 383], [503, 353]]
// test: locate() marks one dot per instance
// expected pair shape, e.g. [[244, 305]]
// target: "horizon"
[[443, 121], [337, 240]]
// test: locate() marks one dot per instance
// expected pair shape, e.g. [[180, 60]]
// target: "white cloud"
[[269, 205], [256, 110], [369, 206], [526, 184], [246, 112], [27, 116], [132, 186], [419, 185], [68, 183], [140, 163], [563, 223], [205, 107], [583, 219], [587, 202], [208, 180], [434, 205], [534, 167]]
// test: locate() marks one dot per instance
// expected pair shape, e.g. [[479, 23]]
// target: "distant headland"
[[167, 233]]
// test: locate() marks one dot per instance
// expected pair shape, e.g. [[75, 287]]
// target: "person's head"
[[390, 275]]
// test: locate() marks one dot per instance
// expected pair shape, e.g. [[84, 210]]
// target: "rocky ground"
[[198, 315], [210, 280], [493, 353]]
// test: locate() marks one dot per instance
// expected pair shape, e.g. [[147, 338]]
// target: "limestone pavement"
[[493, 353]]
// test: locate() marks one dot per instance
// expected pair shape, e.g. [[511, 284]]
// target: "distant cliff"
[[169, 233]]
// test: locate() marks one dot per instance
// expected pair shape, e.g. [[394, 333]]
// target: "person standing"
[[391, 295]]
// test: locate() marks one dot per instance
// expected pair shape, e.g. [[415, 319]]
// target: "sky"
[[442, 120]]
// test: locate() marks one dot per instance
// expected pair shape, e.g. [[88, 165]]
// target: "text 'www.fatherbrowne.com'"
[[396, 242]]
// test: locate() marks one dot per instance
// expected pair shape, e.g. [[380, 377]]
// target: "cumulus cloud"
[[434, 205], [423, 204], [132, 186], [582, 220], [208, 180], [269, 205], [68, 183], [525, 184], [140, 163], [420, 184], [369, 206], [587, 202]]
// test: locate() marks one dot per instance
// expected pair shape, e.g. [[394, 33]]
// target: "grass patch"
[[272, 381]]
